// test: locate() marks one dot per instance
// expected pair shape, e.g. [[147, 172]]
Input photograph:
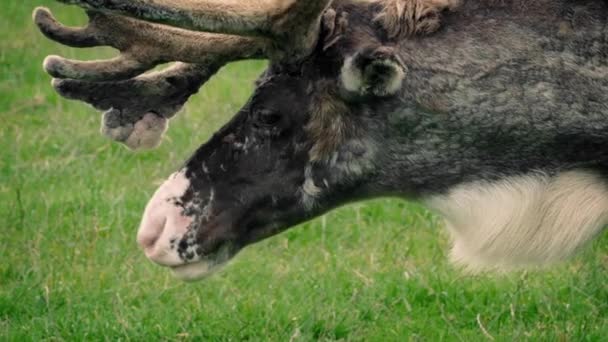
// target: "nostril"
[[150, 231], [146, 242]]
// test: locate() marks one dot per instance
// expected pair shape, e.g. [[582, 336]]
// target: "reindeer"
[[493, 113]]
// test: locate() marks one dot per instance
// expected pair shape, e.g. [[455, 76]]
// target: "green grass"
[[70, 202]]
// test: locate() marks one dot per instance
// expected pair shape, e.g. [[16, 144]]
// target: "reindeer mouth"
[[201, 269], [195, 271]]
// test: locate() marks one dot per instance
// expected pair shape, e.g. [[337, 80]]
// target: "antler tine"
[[142, 45], [121, 67], [162, 92], [71, 36], [118, 68]]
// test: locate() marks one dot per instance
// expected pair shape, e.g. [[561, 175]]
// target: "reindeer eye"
[[267, 117]]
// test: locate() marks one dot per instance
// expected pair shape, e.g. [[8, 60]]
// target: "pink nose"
[[163, 222]]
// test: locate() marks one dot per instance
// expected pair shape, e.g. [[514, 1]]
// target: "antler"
[[291, 22], [137, 107], [142, 45]]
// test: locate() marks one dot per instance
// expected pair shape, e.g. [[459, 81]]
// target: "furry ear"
[[373, 72]]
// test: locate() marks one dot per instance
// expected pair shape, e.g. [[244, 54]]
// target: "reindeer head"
[[309, 139]]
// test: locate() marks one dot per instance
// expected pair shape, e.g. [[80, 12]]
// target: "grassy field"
[[70, 203]]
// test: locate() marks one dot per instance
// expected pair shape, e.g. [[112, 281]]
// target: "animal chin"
[[201, 269], [196, 271]]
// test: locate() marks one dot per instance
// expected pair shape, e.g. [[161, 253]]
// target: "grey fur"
[[501, 92]]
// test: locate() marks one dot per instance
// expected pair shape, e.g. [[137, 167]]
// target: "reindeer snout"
[[164, 223]]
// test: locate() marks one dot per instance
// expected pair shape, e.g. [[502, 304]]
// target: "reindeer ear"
[[373, 72]]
